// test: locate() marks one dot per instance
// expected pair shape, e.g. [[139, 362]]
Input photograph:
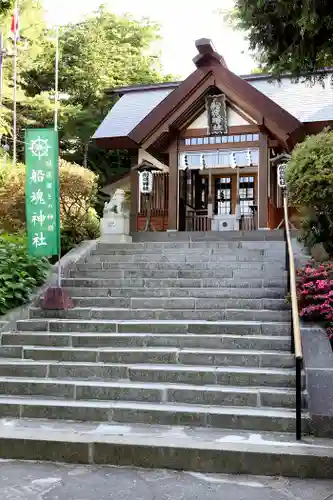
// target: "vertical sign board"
[[42, 192]]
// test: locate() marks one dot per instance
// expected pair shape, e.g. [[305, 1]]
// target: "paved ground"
[[42, 481]]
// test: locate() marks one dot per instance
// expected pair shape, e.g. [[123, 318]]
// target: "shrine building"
[[214, 140]]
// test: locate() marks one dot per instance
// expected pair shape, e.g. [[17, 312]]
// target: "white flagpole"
[[15, 87], [56, 123], [56, 84]]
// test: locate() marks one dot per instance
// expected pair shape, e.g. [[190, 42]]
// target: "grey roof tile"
[[304, 101], [128, 112]]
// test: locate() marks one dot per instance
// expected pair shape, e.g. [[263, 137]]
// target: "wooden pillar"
[[263, 182], [173, 188], [210, 194], [134, 180]]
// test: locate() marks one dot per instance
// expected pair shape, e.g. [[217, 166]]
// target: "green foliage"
[[78, 189], [309, 178], [293, 36], [309, 174], [19, 273], [103, 51], [72, 233], [6, 6], [12, 198]]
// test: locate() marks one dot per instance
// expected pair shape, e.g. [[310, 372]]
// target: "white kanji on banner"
[[146, 182]]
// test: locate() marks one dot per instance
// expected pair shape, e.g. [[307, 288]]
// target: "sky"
[[182, 21]]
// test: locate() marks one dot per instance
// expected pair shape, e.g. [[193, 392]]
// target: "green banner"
[[42, 191]]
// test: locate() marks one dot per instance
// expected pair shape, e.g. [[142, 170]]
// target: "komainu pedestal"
[[115, 223]]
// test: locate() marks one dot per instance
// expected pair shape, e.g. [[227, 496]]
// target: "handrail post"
[[299, 398]]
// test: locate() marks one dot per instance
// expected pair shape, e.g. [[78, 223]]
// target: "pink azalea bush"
[[315, 294]]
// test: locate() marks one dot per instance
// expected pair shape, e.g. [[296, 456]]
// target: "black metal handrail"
[[296, 342]]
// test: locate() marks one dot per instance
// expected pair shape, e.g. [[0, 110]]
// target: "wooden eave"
[[116, 143]]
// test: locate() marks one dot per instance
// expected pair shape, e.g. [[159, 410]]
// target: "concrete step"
[[88, 313], [232, 254], [157, 327], [218, 283], [138, 273], [182, 303], [224, 236], [173, 374], [185, 259], [149, 392], [257, 342], [197, 266], [223, 293], [156, 446], [276, 266], [240, 418], [160, 355], [193, 244]]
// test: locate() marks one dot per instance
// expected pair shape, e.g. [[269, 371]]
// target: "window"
[[246, 194], [223, 195], [221, 139]]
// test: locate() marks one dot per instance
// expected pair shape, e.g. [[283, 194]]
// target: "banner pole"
[[56, 119], [15, 87]]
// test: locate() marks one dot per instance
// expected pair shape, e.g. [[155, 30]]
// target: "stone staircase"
[[177, 354]]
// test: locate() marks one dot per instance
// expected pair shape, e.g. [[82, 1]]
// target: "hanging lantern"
[[146, 182], [281, 170]]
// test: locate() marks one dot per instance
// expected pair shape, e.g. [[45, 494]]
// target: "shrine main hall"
[[213, 142]]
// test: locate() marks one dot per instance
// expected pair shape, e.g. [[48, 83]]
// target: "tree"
[[309, 178], [294, 36], [6, 6], [101, 52]]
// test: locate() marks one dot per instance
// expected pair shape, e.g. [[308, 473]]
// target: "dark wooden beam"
[[235, 130], [317, 127], [263, 182], [134, 192], [173, 187]]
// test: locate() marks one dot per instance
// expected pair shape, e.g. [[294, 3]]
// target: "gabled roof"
[[151, 114]]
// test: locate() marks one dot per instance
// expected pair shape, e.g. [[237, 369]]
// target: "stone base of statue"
[[115, 224]]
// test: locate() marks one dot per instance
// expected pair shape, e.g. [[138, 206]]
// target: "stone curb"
[[77, 254], [318, 366]]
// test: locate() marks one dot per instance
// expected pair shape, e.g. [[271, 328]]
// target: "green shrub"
[[309, 177], [78, 190], [72, 234], [19, 273]]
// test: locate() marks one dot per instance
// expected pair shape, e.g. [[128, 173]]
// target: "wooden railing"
[[196, 222], [296, 341], [247, 223]]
